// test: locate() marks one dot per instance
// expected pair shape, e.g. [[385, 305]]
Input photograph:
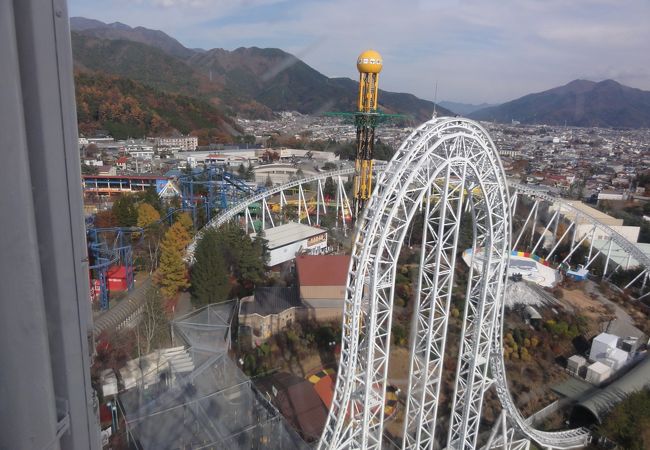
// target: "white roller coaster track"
[[436, 170], [515, 188], [621, 241]]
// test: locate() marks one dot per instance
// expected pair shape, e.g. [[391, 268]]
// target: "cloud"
[[477, 50]]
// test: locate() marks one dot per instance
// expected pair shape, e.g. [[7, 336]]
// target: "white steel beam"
[[523, 228]]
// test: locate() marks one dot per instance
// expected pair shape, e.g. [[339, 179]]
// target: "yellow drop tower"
[[369, 65]]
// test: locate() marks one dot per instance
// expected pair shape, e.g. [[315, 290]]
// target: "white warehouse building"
[[584, 227], [288, 240]]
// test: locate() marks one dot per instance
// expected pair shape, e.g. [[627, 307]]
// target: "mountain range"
[[255, 82], [251, 82], [579, 103], [463, 109]]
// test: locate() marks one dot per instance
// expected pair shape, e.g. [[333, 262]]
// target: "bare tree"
[[154, 324], [153, 239]]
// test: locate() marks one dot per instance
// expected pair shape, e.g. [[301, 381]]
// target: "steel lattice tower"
[[447, 167], [369, 65]]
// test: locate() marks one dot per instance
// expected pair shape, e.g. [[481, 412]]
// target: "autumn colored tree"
[[150, 195], [185, 219], [147, 215], [270, 155], [125, 107], [105, 219], [171, 275], [92, 151], [148, 218]]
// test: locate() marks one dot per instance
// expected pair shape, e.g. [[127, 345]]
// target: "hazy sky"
[[477, 50]]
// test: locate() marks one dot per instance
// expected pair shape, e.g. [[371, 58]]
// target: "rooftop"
[[608, 339], [322, 270], [271, 300], [289, 233], [578, 359], [603, 400], [298, 401], [599, 367], [593, 212]]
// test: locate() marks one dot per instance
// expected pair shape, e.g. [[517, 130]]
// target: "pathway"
[[114, 317]]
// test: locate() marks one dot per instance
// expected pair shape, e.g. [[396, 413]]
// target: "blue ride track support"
[[171, 211], [104, 256], [100, 267], [222, 185]]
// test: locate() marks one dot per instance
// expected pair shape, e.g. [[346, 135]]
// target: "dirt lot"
[[398, 370], [301, 367], [583, 304], [599, 304]]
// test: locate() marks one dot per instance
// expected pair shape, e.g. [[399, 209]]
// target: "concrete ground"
[[183, 306]]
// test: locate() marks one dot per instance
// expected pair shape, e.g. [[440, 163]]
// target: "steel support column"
[[47, 398]]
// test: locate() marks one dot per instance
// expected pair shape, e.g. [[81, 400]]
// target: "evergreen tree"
[[150, 196], [251, 267], [250, 173], [229, 239], [171, 273], [125, 211], [210, 281], [243, 259], [329, 189], [241, 171]]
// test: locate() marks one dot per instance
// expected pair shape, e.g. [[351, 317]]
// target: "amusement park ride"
[[111, 249], [445, 167], [366, 119], [369, 65], [107, 248], [447, 170]]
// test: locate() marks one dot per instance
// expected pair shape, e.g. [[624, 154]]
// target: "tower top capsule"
[[369, 62]]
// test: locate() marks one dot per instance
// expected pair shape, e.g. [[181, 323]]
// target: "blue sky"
[[477, 50]]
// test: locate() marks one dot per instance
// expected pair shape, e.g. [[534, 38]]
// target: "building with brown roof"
[[269, 311], [322, 280], [298, 402]]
